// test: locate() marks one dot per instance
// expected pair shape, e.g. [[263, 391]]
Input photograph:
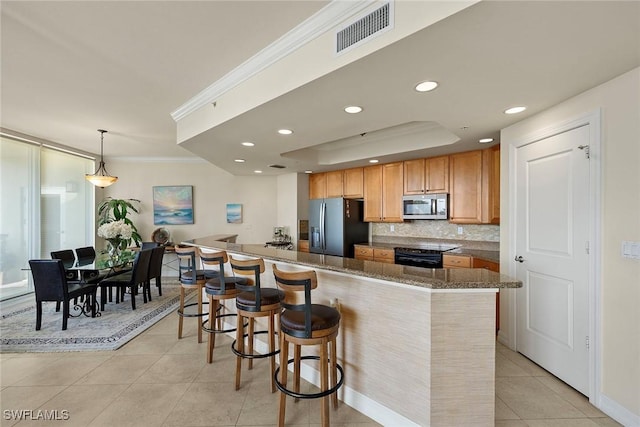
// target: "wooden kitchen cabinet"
[[317, 186], [465, 200], [334, 183], [456, 261], [369, 253], [353, 183], [426, 176], [383, 186], [303, 246], [474, 187], [493, 266]]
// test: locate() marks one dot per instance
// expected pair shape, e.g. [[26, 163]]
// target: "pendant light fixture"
[[101, 177]]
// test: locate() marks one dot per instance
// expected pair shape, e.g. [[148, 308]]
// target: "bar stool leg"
[[272, 349], [284, 357], [334, 371], [180, 318], [324, 376], [199, 312], [250, 342], [240, 348], [213, 307], [296, 368]]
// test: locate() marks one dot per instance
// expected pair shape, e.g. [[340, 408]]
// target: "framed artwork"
[[173, 205], [234, 213]]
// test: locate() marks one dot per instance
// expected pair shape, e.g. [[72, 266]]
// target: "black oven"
[[426, 256]]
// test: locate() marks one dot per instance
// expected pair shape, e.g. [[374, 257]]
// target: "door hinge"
[[586, 247], [586, 341], [586, 150]]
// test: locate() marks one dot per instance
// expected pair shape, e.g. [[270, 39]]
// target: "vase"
[[114, 250]]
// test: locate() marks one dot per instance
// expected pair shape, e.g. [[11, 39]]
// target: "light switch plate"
[[631, 250]]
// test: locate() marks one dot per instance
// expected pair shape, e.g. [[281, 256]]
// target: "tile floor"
[[158, 380]]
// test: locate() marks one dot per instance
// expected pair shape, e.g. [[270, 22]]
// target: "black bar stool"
[[307, 324], [252, 302]]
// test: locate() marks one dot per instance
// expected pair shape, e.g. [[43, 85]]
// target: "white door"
[[552, 219]]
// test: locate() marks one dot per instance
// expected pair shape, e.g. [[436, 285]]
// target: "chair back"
[[295, 282], [186, 264], [140, 272], [49, 279], [216, 259], [86, 254], [148, 245], [249, 267], [155, 262], [67, 256]]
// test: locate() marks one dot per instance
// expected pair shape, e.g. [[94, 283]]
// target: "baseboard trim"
[[618, 412], [350, 397]]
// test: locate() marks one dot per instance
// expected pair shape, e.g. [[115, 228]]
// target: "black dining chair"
[[68, 259], [148, 245], [86, 254], [131, 279], [155, 269], [51, 284]]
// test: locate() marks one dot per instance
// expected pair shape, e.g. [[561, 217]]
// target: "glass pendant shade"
[[101, 177]]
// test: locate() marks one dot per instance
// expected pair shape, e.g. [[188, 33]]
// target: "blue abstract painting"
[[234, 213], [173, 205]]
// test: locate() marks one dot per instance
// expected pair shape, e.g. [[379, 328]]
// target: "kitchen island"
[[417, 345]]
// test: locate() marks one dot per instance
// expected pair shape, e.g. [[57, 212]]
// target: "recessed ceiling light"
[[426, 86], [248, 144], [374, 161], [308, 171], [485, 140], [353, 109], [257, 171], [239, 160], [285, 131], [515, 110]]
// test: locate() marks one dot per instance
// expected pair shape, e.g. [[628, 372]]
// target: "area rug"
[[115, 326]]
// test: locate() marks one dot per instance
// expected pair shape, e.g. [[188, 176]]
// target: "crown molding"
[[308, 30]]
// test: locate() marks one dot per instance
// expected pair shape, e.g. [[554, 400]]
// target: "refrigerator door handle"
[[323, 207]]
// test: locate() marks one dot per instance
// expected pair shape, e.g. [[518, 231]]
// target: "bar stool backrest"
[[292, 282], [249, 267], [215, 259], [186, 263]]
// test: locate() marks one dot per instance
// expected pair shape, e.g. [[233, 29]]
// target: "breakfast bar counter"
[[417, 345]]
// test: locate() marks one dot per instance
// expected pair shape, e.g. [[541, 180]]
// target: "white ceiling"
[[70, 68]]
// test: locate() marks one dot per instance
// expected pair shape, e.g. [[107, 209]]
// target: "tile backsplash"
[[438, 230]]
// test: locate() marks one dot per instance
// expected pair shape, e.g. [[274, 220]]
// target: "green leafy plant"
[[111, 209]]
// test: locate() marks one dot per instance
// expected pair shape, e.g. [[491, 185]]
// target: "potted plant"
[[111, 210]]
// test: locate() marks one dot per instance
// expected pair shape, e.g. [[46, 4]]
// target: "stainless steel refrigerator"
[[335, 225]]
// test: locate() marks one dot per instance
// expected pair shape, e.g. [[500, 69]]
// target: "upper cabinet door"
[[317, 186], [437, 175], [334, 183], [353, 183], [465, 201], [414, 176], [373, 193], [392, 179]]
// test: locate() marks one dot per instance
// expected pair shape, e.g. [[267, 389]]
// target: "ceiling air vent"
[[374, 23], [277, 166]]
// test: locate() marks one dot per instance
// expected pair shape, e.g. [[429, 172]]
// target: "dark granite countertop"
[[437, 278]]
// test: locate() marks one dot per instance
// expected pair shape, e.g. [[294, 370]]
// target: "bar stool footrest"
[[219, 331], [181, 313], [255, 355], [298, 395]]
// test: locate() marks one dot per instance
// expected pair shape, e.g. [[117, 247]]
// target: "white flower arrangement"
[[115, 230]]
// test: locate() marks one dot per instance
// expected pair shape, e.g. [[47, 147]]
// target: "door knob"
[[519, 258]]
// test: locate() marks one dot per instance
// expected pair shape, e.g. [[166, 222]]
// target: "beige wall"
[[213, 188], [619, 102]]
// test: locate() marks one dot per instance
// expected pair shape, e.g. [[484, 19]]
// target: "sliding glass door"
[[46, 205]]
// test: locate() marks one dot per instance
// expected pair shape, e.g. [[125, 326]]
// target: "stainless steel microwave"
[[426, 206]]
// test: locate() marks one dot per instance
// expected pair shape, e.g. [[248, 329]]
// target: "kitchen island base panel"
[[410, 355]]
